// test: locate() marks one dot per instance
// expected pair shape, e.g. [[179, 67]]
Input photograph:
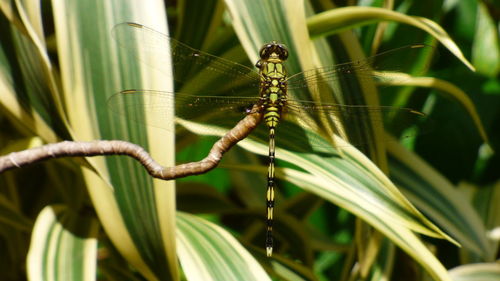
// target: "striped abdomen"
[[273, 97]]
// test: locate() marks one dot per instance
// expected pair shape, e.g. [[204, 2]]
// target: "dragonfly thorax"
[[273, 83]]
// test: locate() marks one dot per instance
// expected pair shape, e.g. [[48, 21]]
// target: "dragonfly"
[[264, 89]]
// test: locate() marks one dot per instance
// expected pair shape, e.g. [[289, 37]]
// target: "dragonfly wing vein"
[[310, 115], [151, 107], [189, 65]]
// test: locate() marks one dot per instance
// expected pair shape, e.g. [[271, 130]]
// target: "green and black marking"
[[273, 86]]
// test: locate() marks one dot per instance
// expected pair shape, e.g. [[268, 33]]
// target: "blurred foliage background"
[[337, 219]]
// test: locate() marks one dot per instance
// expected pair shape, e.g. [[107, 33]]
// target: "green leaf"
[[63, 246], [337, 20], [476, 272], [486, 48], [138, 213], [207, 252], [435, 195], [447, 90], [27, 82]]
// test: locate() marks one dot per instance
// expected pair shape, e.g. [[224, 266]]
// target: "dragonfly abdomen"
[[272, 117], [270, 195]]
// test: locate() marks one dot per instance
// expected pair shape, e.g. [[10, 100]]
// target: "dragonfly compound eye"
[[273, 48], [265, 51], [283, 52]]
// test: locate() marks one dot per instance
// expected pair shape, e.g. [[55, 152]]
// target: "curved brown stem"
[[118, 147]]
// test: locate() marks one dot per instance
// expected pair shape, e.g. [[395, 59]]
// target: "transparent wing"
[[302, 127], [152, 108], [370, 68], [313, 116], [197, 67]]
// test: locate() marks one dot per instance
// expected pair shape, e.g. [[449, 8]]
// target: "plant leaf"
[[337, 20], [63, 246]]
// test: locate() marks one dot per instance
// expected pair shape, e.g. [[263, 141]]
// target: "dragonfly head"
[[273, 50]]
